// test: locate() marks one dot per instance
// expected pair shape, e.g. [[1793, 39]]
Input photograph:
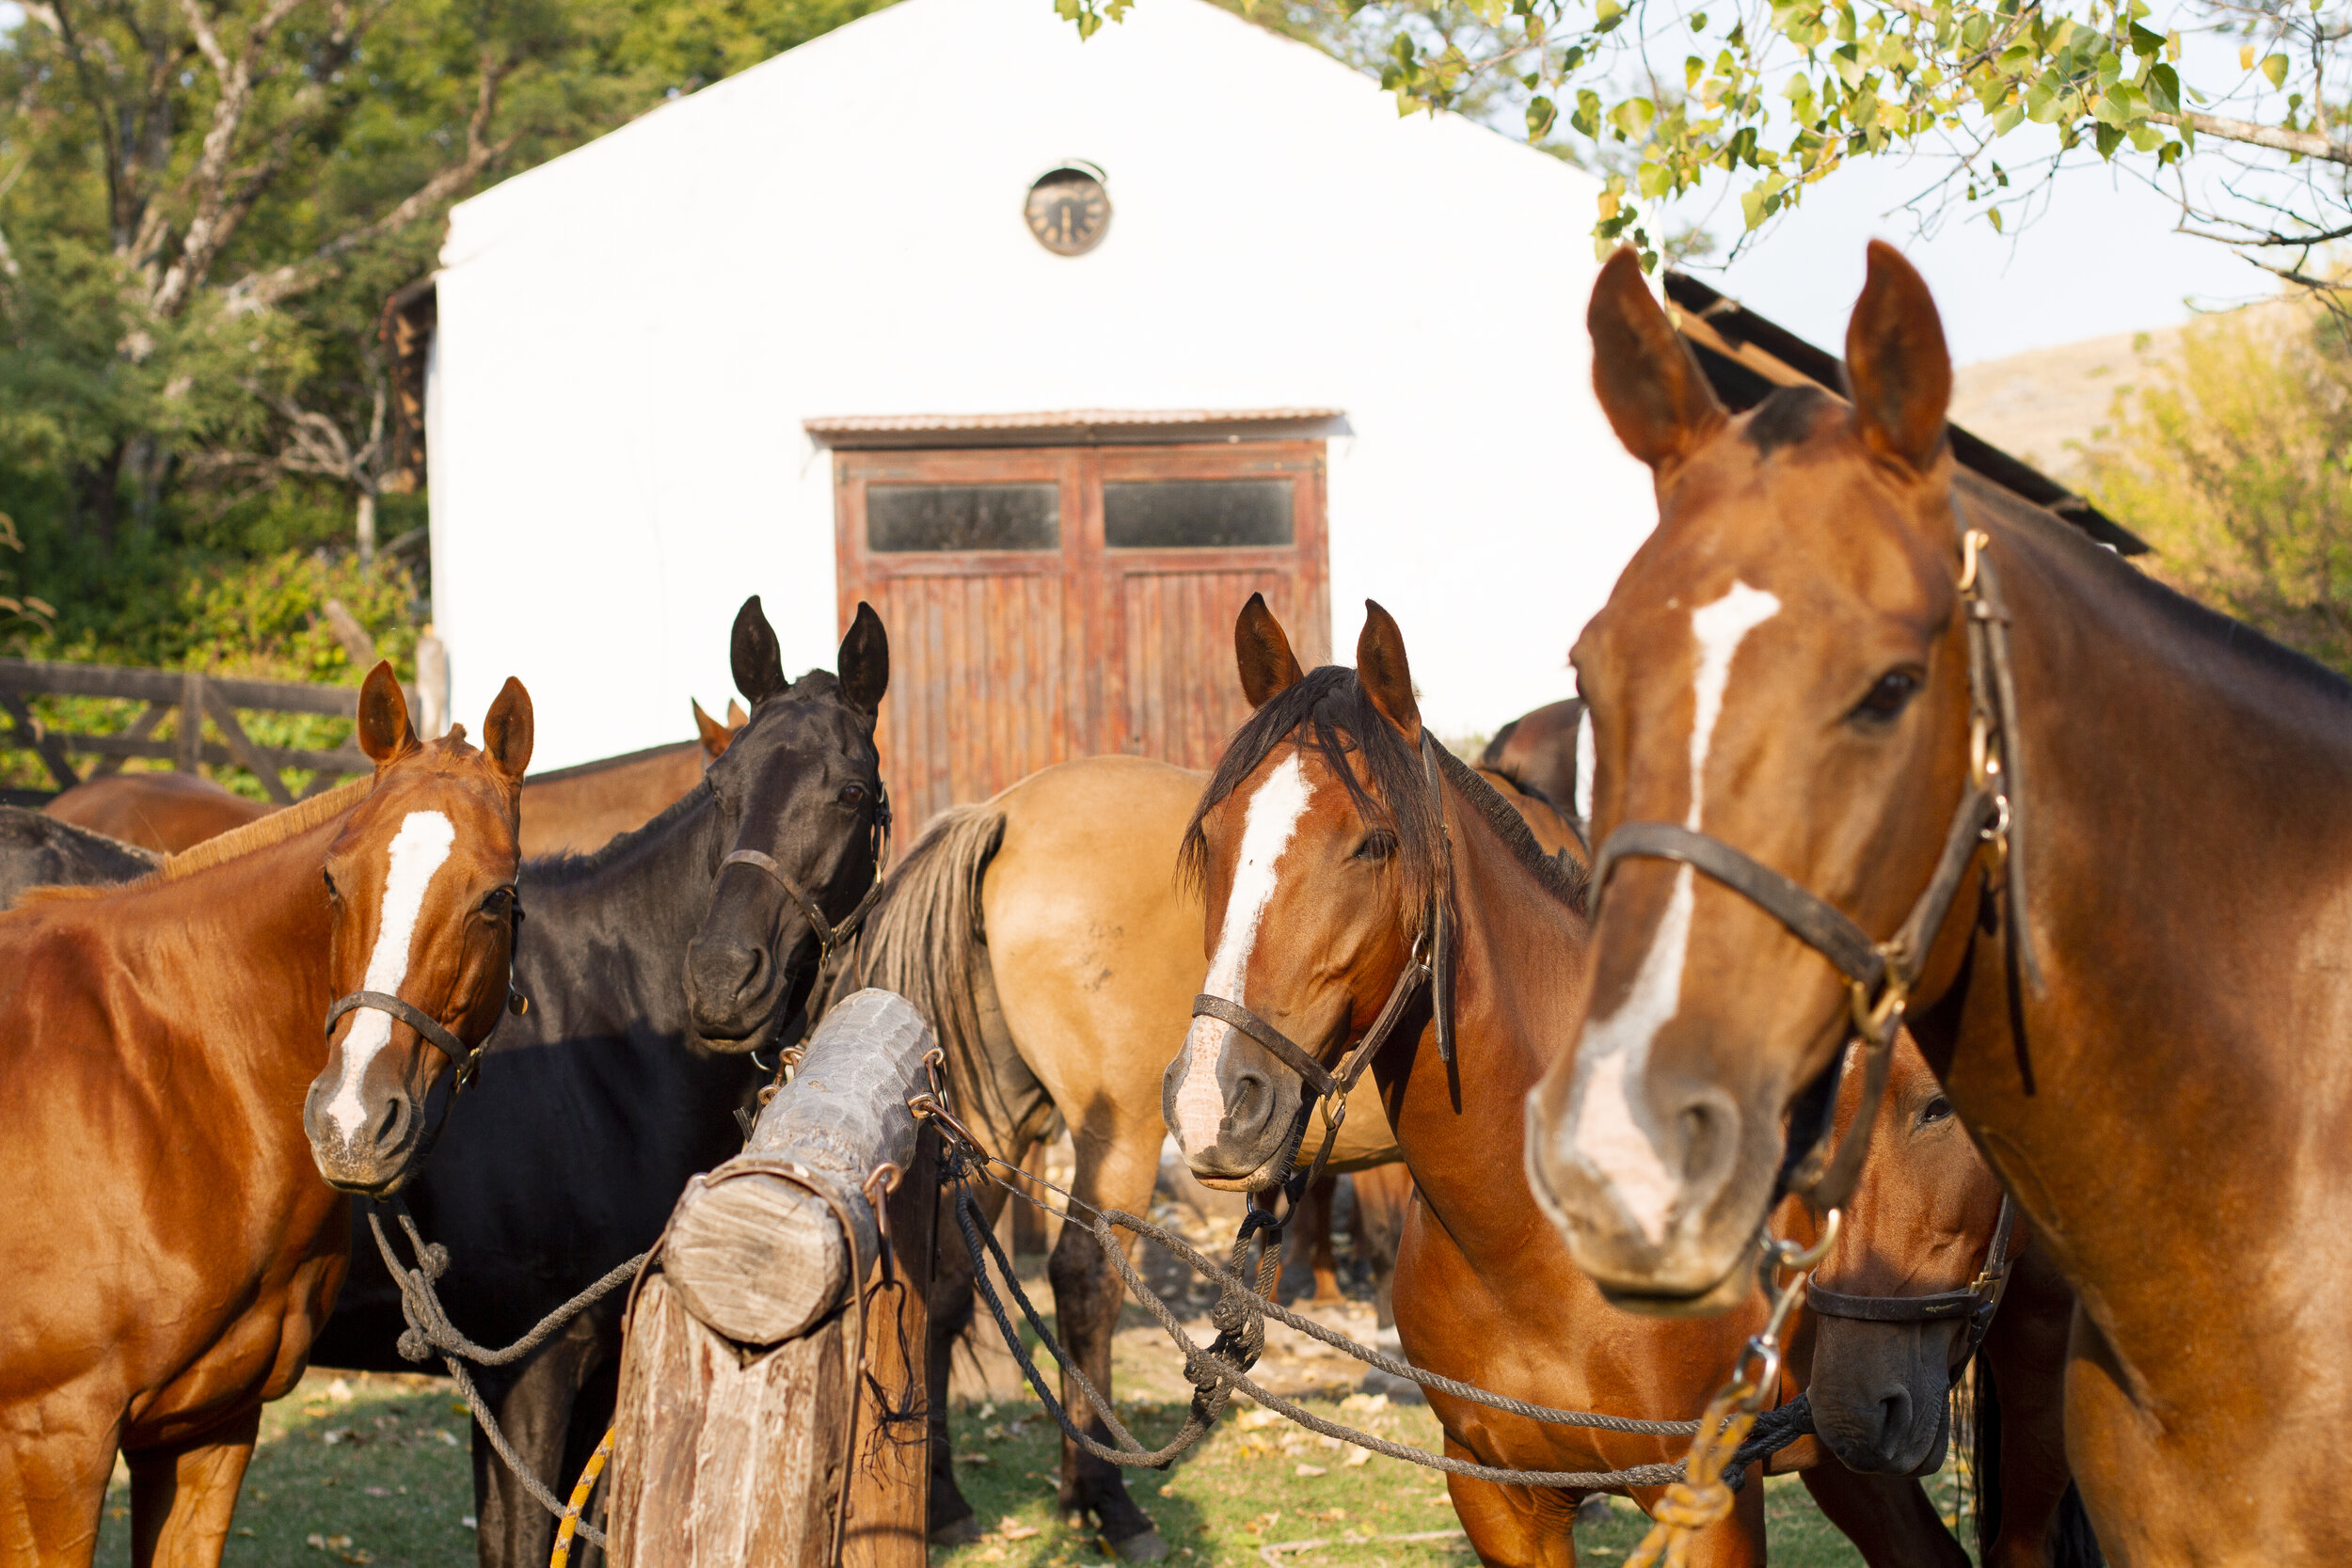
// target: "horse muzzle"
[[1237, 1120], [367, 1143], [1878, 1393]]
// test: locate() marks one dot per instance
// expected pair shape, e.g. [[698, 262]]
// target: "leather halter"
[[830, 937], [467, 1059], [1429, 964], [1880, 975], [1977, 1302]]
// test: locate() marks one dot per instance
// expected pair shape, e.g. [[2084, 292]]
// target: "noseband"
[[467, 1059], [1429, 964], [1880, 975], [830, 937], [1977, 1302]]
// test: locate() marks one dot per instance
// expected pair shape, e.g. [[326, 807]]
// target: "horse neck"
[[649, 890], [1518, 957], [2164, 749], [241, 976]]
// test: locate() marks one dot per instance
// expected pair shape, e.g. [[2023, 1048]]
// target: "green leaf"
[[2275, 66], [2163, 90], [1993, 216], [1541, 112], [2109, 138]]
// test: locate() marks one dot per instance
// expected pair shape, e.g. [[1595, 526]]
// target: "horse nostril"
[[1707, 1130], [389, 1131], [1894, 1420], [1250, 1092]]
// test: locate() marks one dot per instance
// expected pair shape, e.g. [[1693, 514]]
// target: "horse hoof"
[[1145, 1547], [957, 1532]]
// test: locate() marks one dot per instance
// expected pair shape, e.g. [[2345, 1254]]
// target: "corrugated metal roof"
[[1068, 426]]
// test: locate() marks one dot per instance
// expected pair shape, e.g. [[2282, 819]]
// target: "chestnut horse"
[[1329, 842], [1910, 1286], [571, 810], [1836, 657], [170, 1248]]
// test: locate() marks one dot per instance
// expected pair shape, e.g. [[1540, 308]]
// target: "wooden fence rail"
[[195, 697], [774, 1406]]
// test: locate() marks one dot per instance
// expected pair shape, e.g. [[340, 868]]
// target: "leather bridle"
[[1880, 975], [1975, 1302], [831, 938], [1428, 964]]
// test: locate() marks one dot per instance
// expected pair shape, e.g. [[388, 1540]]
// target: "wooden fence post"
[[774, 1370]]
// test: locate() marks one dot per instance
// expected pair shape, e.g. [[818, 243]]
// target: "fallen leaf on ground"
[[1312, 1470]]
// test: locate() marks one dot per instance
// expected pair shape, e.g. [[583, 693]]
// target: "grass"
[[356, 1468], [351, 1467]]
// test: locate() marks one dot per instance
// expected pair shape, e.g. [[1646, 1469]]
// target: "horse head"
[[1316, 844], [1911, 1280], [1781, 671], [422, 885], [800, 793]]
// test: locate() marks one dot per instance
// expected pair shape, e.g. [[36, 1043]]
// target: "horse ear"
[[506, 730], [715, 735], [1897, 365], [385, 732], [864, 661], [1386, 679], [757, 663], [1269, 667], [737, 718], [1656, 396]]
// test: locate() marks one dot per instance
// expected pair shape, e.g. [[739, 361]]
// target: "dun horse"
[[653, 966], [1839, 661], [1333, 842], [171, 1249]]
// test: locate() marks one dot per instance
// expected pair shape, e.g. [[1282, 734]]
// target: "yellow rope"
[[564, 1532], [1700, 1498]]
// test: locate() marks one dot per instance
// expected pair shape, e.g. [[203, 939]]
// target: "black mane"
[[1341, 722]]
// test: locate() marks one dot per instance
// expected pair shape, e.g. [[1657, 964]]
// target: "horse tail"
[[1984, 1455], [925, 939]]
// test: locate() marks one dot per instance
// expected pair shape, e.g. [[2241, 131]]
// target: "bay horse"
[[170, 1248], [1330, 839], [1792, 669], [572, 809], [1539, 750], [654, 968], [1913, 1280], [1042, 935], [40, 852]]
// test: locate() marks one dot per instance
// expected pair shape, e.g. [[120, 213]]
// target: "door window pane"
[[904, 518], [1196, 514]]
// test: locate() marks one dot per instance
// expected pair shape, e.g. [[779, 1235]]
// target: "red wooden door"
[[1048, 602]]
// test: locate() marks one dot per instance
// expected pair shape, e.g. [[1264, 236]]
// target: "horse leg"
[[534, 1407], [54, 1462], [183, 1497], [951, 1522], [1737, 1541], [1890, 1519], [1115, 1169], [1510, 1527], [2025, 1352]]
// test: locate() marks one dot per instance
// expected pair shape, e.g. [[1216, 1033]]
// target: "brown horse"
[[1834, 658], [1328, 842], [1539, 750], [1919, 1236], [572, 811], [166, 812], [170, 1247], [1042, 935]]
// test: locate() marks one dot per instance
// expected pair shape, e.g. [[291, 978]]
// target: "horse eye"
[[1376, 847], [852, 795], [332, 890], [499, 901], [1889, 696], [1938, 1109]]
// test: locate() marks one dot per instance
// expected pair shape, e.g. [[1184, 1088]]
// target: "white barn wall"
[[631, 335]]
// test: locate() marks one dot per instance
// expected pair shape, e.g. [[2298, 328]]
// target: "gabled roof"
[[1745, 356]]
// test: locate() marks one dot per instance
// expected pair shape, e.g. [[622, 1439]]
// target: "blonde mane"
[[260, 834]]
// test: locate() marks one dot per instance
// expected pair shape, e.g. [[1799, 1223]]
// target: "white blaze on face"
[[416, 852], [1612, 1132], [1273, 817], [1584, 765]]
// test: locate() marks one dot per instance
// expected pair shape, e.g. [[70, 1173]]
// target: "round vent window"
[[1068, 210]]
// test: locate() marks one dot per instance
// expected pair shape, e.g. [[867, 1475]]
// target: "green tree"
[[2235, 462], [1765, 98]]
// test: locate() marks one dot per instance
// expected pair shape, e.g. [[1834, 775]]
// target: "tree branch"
[[2307, 144], [260, 290]]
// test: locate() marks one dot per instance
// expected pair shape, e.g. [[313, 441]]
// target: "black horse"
[[40, 851], [619, 1083]]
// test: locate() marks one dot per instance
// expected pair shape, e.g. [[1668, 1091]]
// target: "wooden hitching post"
[[773, 1366]]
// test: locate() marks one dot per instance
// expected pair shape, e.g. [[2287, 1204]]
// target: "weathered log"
[[760, 1391]]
